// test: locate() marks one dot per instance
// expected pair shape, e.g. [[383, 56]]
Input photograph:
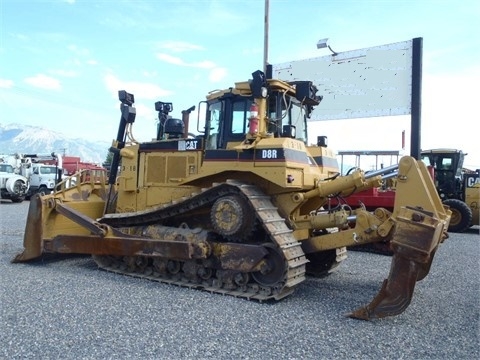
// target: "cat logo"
[[184, 145], [472, 180]]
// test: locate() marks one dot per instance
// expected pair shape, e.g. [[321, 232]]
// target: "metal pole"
[[265, 41], [416, 112]]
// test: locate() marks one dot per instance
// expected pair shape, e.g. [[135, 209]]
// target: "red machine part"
[[253, 119]]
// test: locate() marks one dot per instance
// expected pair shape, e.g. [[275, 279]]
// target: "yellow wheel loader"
[[458, 188], [242, 208]]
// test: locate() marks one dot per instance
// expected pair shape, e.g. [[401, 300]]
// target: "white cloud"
[[179, 46], [170, 59], [217, 74], [206, 64], [255, 50], [82, 55], [6, 84], [139, 90], [65, 73], [78, 50], [44, 82], [148, 74], [146, 111]]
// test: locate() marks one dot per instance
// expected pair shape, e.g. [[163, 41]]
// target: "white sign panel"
[[363, 83]]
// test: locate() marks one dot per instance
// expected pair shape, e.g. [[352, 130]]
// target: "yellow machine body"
[[242, 208]]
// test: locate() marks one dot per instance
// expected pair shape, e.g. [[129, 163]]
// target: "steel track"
[[280, 238]]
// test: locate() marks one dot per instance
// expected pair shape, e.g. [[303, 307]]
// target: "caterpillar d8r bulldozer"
[[240, 209]]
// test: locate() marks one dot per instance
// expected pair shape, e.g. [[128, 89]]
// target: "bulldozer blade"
[[32, 240], [415, 240]]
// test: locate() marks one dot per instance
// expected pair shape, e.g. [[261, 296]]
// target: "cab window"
[[213, 131], [239, 118], [446, 163]]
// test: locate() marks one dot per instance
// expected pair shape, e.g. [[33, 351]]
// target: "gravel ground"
[[69, 309]]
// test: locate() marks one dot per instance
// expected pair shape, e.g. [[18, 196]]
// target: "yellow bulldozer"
[[243, 207]]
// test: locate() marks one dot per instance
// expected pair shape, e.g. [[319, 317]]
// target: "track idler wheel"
[[274, 268], [232, 217]]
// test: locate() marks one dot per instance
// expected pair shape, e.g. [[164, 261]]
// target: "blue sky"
[[62, 62]]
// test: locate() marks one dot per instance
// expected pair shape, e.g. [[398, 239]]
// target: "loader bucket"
[[415, 240], [32, 240]]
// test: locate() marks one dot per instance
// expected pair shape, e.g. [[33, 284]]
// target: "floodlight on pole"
[[323, 43]]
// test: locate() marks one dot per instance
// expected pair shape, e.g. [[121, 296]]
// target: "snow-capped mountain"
[[24, 139]]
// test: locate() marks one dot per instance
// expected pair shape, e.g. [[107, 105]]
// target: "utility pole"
[[265, 40]]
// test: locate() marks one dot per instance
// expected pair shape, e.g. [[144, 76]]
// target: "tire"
[[461, 215], [322, 263], [42, 190], [16, 186]]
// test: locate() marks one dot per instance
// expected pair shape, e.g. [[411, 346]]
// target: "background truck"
[[47, 170], [72, 164], [13, 186], [42, 177], [44, 171]]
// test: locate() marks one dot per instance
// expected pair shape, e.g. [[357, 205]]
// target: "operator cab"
[[448, 166], [288, 106]]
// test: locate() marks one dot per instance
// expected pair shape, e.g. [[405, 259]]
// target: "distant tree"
[[108, 160]]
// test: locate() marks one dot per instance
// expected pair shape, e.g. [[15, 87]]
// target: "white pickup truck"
[[12, 186], [42, 178]]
